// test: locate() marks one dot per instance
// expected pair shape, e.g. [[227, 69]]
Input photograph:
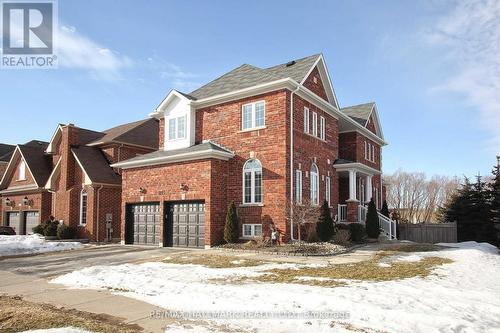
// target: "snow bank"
[[20, 244], [59, 330], [463, 296]]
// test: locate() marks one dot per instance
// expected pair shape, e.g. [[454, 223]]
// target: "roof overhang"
[[374, 114], [55, 172], [182, 157], [325, 78], [10, 168], [57, 135], [159, 111], [21, 189], [359, 167]]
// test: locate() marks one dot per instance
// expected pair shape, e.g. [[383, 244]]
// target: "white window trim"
[[315, 124], [83, 193], [252, 184], [322, 128], [22, 170], [252, 232], [306, 120], [254, 113], [311, 180], [328, 192], [298, 186], [176, 128]]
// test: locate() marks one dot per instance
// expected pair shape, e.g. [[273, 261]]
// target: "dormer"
[[177, 121]]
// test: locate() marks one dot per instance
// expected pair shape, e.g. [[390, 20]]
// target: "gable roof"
[[246, 76], [361, 112], [95, 166], [6, 152], [139, 133]]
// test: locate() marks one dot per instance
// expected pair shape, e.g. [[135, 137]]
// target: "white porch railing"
[[342, 213], [362, 210], [387, 226]]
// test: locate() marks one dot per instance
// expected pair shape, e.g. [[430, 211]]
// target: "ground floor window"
[[252, 230], [298, 186], [327, 190], [83, 207]]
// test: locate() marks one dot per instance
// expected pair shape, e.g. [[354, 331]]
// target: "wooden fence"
[[428, 232]]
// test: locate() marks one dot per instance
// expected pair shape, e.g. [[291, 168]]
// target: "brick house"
[[263, 138], [5, 155], [71, 179]]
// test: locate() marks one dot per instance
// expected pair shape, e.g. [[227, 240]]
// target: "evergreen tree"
[[385, 209], [495, 193], [324, 227], [372, 223], [231, 227]]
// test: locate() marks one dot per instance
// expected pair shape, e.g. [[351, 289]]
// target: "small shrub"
[[342, 237], [50, 228], [38, 229], [231, 227], [372, 224], [358, 232], [65, 232], [385, 209], [324, 227]]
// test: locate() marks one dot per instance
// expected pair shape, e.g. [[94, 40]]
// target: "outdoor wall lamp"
[[183, 187], [142, 190], [27, 202], [7, 202]]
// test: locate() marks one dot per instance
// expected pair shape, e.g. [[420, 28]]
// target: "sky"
[[432, 67]]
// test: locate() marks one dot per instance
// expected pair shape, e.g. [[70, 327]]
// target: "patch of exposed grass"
[[215, 261], [414, 248], [17, 315]]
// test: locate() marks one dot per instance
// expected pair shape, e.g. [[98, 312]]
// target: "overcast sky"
[[432, 67]]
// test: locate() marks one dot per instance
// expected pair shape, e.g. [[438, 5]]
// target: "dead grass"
[[215, 261], [17, 315], [368, 270]]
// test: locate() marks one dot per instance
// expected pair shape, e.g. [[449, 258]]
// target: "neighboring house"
[[235, 139], [5, 154], [78, 186]]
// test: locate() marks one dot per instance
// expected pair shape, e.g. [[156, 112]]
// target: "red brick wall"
[[371, 125], [352, 148], [13, 180], [39, 201], [316, 87]]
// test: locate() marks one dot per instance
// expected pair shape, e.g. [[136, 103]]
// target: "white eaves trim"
[[55, 171], [190, 156], [158, 112], [323, 71], [10, 166], [87, 180], [16, 189], [58, 130], [378, 128], [358, 167]]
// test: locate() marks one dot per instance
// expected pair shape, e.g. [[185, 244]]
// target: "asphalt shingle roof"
[[143, 133], [246, 76], [6, 152], [39, 163], [95, 165], [359, 113]]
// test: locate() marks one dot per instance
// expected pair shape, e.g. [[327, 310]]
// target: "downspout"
[[97, 213], [291, 162]]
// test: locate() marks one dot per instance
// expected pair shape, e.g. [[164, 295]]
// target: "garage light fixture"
[[142, 190], [7, 202], [27, 202], [183, 187]]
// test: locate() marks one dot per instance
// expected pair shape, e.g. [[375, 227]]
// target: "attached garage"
[[13, 220], [31, 220], [185, 225], [143, 224]]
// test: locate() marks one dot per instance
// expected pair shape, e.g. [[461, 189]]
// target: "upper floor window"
[[177, 128], [83, 207], [314, 178], [253, 115], [252, 182], [306, 120], [315, 124], [322, 128], [369, 152], [21, 175]]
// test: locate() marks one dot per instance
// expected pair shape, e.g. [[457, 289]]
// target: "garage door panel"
[[31, 220], [187, 222], [144, 221], [14, 221]]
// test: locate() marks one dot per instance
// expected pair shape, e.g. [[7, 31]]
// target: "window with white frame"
[[322, 128], [327, 190], [251, 230], [252, 182], [177, 128], [298, 186], [83, 207], [314, 179], [369, 152], [315, 124], [21, 175], [253, 115], [306, 120], [377, 198]]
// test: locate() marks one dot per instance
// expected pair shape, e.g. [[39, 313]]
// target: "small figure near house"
[[275, 235]]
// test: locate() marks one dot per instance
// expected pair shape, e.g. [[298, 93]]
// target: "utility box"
[[109, 226]]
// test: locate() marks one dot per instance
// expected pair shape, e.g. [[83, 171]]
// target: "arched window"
[[83, 207], [252, 182], [314, 185]]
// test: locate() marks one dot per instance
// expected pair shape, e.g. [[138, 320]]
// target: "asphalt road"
[[57, 263]]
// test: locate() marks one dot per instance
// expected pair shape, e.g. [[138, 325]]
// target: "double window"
[[252, 182], [369, 152], [83, 207], [314, 178], [253, 115], [251, 230], [177, 128]]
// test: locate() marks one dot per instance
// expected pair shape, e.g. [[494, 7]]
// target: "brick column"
[[352, 210]]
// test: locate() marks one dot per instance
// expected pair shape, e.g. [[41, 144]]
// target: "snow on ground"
[[21, 244], [463, 296], [59, 330]]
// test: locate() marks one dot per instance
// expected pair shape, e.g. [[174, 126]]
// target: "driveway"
[[28, 277]]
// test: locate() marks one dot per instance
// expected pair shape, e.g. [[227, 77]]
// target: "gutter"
[[97, 213]]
